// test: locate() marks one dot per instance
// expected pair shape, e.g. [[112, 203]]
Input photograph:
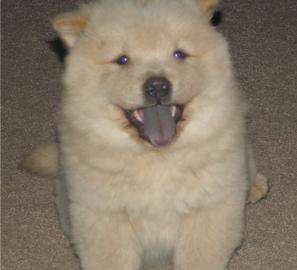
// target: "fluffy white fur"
[[129, 202]]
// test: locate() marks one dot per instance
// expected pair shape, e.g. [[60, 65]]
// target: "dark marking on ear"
[[216, 18], [58, 47]]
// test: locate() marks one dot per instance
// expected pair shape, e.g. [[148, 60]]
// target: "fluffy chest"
[[156, 186]]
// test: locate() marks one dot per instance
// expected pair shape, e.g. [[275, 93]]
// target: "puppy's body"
[[130, 198]]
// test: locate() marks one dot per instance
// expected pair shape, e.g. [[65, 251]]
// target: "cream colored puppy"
[[153, 151]]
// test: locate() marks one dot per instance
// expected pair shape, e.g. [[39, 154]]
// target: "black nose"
[[157, 88]]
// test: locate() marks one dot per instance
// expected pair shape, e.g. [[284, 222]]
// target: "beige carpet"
[[263, 41]]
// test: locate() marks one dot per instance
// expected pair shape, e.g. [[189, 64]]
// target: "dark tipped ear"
[[70, 26], [208, 6]]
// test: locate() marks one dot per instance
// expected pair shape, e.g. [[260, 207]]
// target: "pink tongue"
[[159, 125]]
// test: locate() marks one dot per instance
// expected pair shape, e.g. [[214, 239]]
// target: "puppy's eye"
[[179, 55], [122, 60]]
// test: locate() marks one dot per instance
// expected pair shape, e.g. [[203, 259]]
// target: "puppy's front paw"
[[259, 188]]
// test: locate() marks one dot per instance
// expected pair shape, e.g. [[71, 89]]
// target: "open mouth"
[[157, 123]]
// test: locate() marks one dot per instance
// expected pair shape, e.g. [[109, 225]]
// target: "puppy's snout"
[[157, 88]]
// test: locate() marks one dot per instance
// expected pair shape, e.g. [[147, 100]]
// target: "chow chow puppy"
[[155, 163]]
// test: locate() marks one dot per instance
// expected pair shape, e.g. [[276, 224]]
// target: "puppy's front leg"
[[104, 240], [208, 237]]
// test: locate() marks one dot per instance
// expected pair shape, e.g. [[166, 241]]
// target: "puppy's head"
[[136, 67]]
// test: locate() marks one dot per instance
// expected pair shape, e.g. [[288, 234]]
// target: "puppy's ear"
[[70, 26], [208, 6]]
